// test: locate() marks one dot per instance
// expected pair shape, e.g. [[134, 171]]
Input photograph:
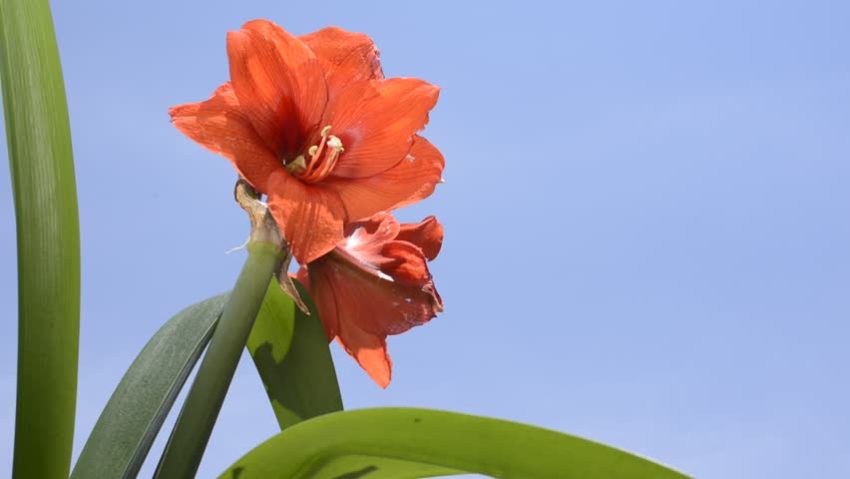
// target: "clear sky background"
[[647, 214]]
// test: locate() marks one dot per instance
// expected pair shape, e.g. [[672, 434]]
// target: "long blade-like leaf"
[[39, 143], [290, 351], [352, 445], [188, 440], [128, 425]]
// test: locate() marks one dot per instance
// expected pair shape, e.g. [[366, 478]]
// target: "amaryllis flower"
[[375, 283], [312, 123]]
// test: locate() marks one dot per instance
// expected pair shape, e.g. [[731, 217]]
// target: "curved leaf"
[[39, 142], [290, 351], [362, 439], [371, 467], [129, 423]]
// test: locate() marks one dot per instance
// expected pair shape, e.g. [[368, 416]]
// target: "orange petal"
[[323, 296], [366, 238], [376, 122], [406, 264], [373, 285], [411, 180], [310, 217], [336, 309], [427, 235], [220, 125], [370, 352], [385, 295], [279, 83], [345, 56]]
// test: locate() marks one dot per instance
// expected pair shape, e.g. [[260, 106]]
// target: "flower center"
[[321, 158]]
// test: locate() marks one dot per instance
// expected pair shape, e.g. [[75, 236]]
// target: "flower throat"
[[322, 158]]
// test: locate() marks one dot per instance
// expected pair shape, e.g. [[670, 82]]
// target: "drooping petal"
[[323, 296], [370, 352], [345, 57], [279, 83], [364, 310], [376, 121], [336, 309], [427, 235], [383, 305], [412, 179], [220, 125], [380, 304], [310, 217], [374, 284]]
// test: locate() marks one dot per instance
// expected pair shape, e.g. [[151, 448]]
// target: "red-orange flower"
[[311, 122], [375, 283]]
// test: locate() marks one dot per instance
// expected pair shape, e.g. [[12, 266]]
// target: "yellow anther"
[[325, 131], [298, 164], [335, 143], [313, 149]]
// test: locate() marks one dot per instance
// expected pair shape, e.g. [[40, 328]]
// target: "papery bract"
[[376, 283], [312, 123]]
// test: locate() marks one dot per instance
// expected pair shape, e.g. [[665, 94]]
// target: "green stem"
[[195, 424], [39, 141]]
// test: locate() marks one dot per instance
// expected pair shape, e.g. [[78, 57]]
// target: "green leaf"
[[123, 435], [275, 324], [42, 167], [188, 440], [290, 351], [371, 467], [352, 444]]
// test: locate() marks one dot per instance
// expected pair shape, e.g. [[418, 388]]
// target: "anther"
[[335, 143], [298, 164]]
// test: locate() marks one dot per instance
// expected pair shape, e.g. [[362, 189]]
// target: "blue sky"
[[646, 209]]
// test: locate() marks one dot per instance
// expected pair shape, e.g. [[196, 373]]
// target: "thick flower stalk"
[[376, 283], [312, 123]]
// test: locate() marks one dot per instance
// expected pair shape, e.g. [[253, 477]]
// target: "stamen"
[[315, 151], [321, 159], [297, 165], [335, 143], [335, 147]]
